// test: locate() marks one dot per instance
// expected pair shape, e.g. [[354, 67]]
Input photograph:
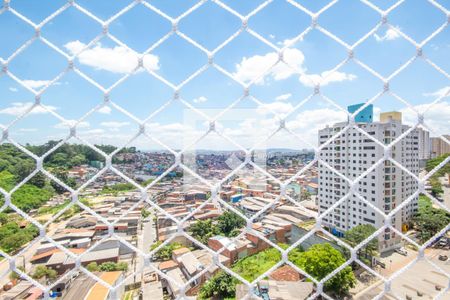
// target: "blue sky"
[[175, 59]]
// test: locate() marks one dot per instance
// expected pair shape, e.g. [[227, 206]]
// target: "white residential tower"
[[386, 187]]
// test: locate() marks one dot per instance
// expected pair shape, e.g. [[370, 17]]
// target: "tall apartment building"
[[439, 146], [352, 153], [424, 135], [424, 144]]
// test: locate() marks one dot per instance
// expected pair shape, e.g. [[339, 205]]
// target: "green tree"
[[13, 242], [29, 197], [304, 194], [92, 267], [145, 213], [220, 286], [61, 174], [122, 266], [108, 266], [39, 180], [12, 237], [60, 159], [4, 218], [202, 230], [7, 180], [22, 169], [14, 275], [228, 222], [78, 160], [429, 220], [44, 272], [360, 233], [436, 186], [165, 253], [434, 162], [322, 259]]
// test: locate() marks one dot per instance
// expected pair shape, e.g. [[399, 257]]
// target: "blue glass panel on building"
[[365, 115]]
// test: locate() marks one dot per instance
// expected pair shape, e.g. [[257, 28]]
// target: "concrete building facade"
[[424, 144], [386, 187], [439, 146]]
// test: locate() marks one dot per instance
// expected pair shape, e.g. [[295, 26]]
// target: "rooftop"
[[53, 251], [180, 251], [285, 273], [177, 276], [287, 290], [190, 262], [99, 291], [169, 264]]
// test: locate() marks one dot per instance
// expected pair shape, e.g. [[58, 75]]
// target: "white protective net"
[[177, 89]]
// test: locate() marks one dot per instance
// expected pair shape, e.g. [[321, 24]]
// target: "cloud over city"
[[260, 68], [115, 59], [390, 35], [19, 108]]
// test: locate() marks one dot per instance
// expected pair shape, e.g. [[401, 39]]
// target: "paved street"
[[151, 290], [394, 261], [145, 239], [80, 286], [148, 235], [421, 278]]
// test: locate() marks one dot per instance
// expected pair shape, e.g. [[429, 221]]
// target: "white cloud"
[[305, 124], [283, 97], [28, 129], [252, 69], [200, 99], [13, 89], [19, 108], [390, 35], [91, 132], [172, 127], [116, 59], [435, 116], [327, 77], [36, 84], [280, 108], [317, 118], [246, 132], [105, 110], [70, 123], [434, 47], [272, 36], [443, 92], [114, 124]]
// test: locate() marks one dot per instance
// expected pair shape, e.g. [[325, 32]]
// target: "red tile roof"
[[285, 273], [53, 251], [168, 265]]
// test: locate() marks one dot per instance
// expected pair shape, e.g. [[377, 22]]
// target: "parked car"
[[443, 242], [443, 257], [401, 251], [150, 277]]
